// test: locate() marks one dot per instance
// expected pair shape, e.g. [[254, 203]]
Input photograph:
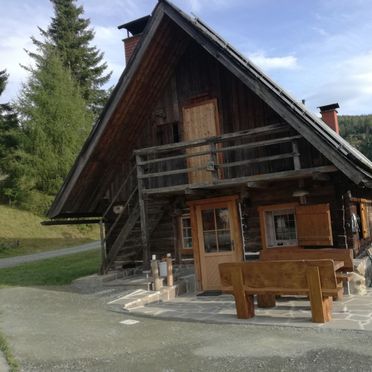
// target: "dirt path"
[[14, 261], [53, 330]]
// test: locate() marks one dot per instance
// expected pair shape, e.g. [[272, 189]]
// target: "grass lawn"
[[54, 271], [21, 233]]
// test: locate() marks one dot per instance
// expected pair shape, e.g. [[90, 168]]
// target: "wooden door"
[[200, 121], [219, 239]]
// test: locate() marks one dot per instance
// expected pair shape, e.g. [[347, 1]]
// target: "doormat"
[[210, 293]]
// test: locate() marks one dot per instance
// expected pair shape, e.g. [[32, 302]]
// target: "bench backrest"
[[287, 253], [278, 275]]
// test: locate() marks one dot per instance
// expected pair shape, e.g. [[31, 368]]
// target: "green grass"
[[4, 347], [55, 271], [21, 233]]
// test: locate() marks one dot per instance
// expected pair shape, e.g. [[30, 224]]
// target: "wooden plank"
[[143, 217], [253, 145], [199, 142], [314, 225], [171, 172], [286, 175], [256, 160], [200, 121], [296, 156], [244, 303], [319, 306]]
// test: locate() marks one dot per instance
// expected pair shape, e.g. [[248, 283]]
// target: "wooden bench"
[[266, 279], [343, 275]]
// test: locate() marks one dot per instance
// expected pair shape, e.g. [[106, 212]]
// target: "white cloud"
[[349, 83], [273, 63]]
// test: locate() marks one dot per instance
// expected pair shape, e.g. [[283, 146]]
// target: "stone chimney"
[[329, 116], [134, 32]]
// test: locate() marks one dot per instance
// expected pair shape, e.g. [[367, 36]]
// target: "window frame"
[[263, 211], [183, 248]]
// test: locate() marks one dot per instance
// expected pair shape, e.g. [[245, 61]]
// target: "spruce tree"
[[70, 34], [55, 122], [9, 130]]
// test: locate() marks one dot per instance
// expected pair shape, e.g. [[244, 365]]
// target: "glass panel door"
[[216, 230]]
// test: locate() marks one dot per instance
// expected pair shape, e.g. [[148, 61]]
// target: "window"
[[186, 236], [216, 230], [281, 228], [295, 225]]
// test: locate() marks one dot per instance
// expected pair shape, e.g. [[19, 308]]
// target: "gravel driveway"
[[58, 330]]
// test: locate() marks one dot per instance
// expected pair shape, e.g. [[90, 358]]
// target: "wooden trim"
[[195, 246], [364, 221], [221, 138], [267, 208], [212, 200]]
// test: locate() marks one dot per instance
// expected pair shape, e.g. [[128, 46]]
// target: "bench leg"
[[266, 301], [321, 308], [244, 303]]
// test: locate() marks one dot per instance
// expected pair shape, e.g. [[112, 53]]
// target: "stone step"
[[140, 297]]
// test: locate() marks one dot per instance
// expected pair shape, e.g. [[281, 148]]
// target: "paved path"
[[353, 312], [18, 260], [52, 330]]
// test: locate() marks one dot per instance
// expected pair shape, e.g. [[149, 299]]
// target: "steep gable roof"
[[169, 21]]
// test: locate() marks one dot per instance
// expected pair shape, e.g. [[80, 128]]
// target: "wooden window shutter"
[[364, 220], [314, 225]]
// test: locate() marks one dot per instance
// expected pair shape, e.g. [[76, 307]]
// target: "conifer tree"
[[55, 122], [9, 129], [70, 34]]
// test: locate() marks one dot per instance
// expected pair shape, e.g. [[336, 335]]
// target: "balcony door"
[[200, 120], [218, 235]]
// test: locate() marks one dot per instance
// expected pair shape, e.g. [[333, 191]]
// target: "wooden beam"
[[143, 216], [278, 176], [201, 142]]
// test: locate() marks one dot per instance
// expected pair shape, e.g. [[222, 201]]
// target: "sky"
[[317, 50]]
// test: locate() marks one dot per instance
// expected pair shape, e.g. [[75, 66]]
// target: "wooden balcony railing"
[[264, 153]]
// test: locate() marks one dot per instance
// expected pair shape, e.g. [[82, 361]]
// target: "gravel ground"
[[59, 330]]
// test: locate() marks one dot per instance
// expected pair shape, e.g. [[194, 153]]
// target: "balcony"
[[261, 154]]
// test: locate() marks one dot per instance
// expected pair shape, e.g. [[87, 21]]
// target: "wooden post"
[[266, 301], [177, 239], [296, 156], [103, 247], [169, 270], [155, 274], [244, 304], [214, 160], [321, 308], [143, 216]]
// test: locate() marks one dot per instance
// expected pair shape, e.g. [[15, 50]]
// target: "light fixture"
[[118, 209], [300, 193]]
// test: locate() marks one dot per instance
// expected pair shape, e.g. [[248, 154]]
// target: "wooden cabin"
[[198, 153]]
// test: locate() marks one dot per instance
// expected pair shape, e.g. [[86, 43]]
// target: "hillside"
[[21, 233], [357, 129]]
